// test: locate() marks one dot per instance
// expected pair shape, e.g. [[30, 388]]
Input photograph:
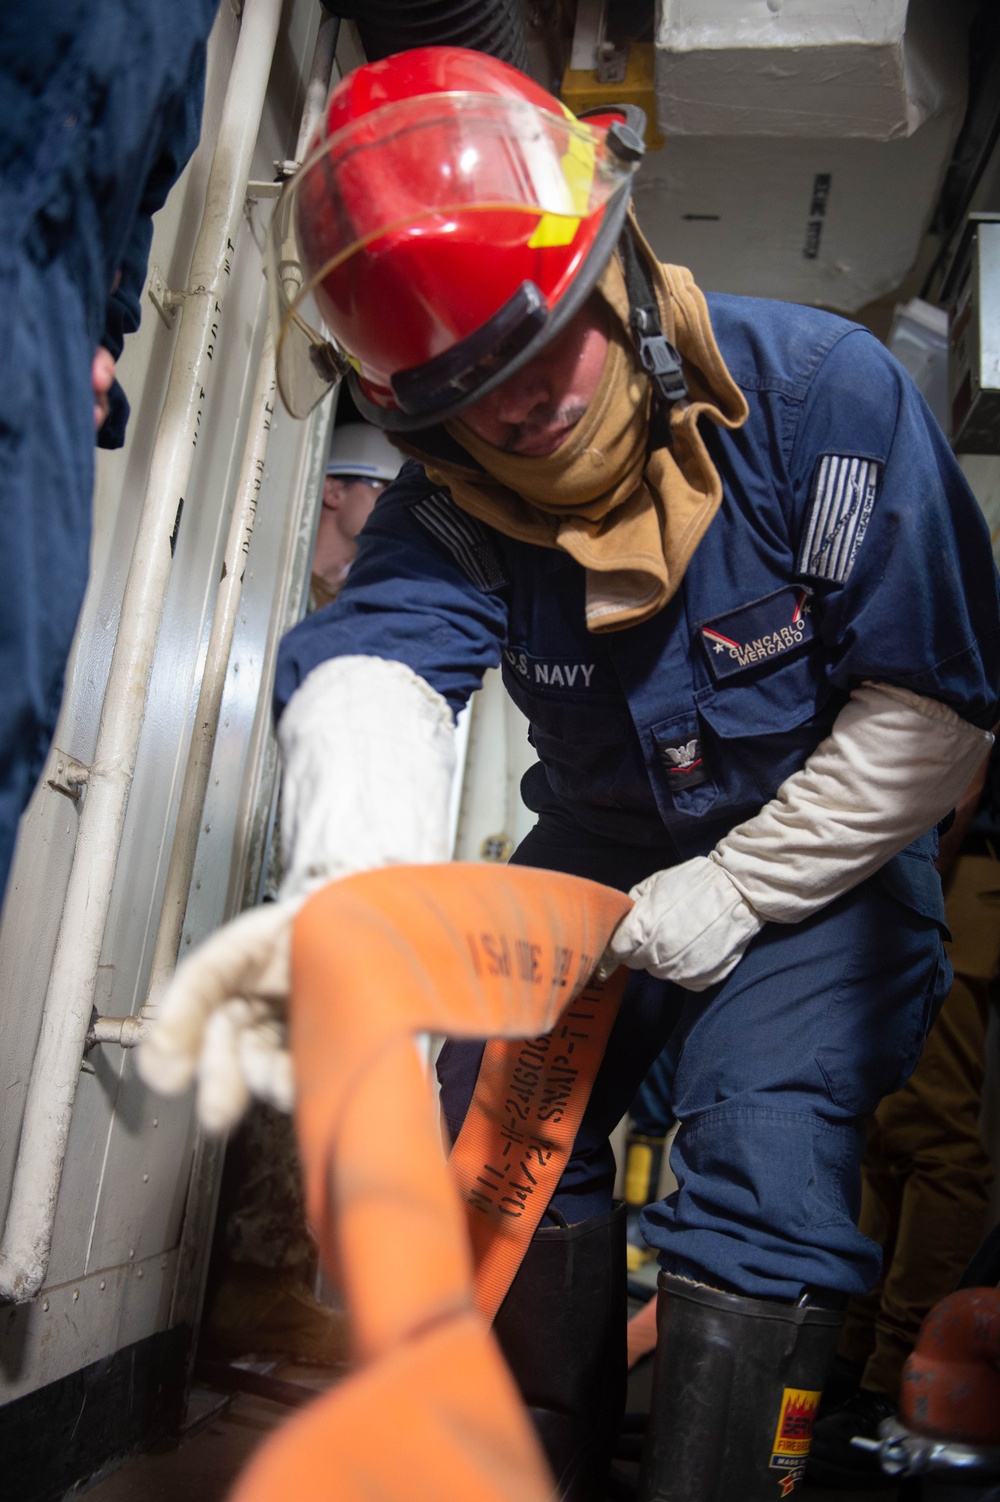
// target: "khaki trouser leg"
[[926, 1173]]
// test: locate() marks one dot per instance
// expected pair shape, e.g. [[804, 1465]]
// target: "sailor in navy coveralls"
[[847, 549], [761, 759]]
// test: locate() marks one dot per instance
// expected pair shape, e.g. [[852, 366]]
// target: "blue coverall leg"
[[652, 1110]]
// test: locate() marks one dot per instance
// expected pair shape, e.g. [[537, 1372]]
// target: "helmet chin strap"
[[657, 355]]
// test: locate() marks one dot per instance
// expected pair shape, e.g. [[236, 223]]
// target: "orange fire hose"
[[415, 1246], [951, 1382]]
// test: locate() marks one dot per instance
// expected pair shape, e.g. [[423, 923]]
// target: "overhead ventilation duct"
[[805, 142], [388, 26], [802, 67]]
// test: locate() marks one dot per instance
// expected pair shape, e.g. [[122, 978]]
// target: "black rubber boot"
[[735, 1389], [834, 1460], [562, 1331]]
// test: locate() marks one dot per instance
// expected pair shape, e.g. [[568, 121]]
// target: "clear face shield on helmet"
[[438, 221]]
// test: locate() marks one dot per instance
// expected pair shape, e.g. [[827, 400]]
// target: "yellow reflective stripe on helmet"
[[578, 164], [553, 229]]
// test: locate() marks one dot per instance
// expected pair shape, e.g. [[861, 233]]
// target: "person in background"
[[362, 463], [100, 108]]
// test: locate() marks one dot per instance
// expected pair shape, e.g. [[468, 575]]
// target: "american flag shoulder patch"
[[467, 539], [844, 492]]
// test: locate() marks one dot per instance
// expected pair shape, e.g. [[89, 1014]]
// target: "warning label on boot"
[[795, 1426]]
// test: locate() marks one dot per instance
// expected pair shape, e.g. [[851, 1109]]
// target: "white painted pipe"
[[24, 1252], [125, 1031]]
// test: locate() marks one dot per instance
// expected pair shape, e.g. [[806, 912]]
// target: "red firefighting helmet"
[[450, 219]]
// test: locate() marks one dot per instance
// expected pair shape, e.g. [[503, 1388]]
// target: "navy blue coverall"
[[100, 108], [847, 549]]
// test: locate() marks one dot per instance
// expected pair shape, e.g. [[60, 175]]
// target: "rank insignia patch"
[[793, 1435], [844, 493], [682, 761], [755, 633]]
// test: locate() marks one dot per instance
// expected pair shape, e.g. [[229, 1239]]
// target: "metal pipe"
[[24, 1252], [182, 855], [128, 1032], [318, 87]]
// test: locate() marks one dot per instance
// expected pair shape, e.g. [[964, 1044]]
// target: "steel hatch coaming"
[[74, 1324], [130, 1399]]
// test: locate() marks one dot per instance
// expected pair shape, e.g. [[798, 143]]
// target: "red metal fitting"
[[951, 1383]]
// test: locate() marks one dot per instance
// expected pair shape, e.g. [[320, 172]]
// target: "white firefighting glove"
[[368, 756], [892, 766]]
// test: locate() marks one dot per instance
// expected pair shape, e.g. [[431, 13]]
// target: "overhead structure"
[[804, 141], [799, 67]]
